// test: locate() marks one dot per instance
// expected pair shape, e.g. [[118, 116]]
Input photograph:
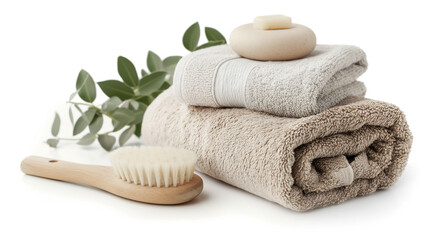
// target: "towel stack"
[[299, 133]]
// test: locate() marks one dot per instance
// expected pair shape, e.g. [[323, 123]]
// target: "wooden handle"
[[62, 170], [103, 177]]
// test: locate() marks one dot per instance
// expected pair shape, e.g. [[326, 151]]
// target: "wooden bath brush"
[[160, 175]]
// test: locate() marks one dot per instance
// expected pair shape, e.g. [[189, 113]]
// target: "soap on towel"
[[301, 163], [218, 77]]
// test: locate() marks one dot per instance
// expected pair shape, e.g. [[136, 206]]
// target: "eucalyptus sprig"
[[128, 98]]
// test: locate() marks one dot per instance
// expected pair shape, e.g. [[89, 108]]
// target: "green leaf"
[[55, 125], [83, 115], [83, 121], [127, 71], [145, 99], [133, 105], [125, 104], [89, 114], [191, 37], [70, 114], [154, 62], [165, 86], [116, 88], [123, 115], [142, 106], [169, 64], [126, 135], [210, 44], [85, 86], [138, 117], [213, 35], [151, 83], [157, 93], [87, 139], [138, 130], [111, 104], [72, 96], [143, 73], [106, 141], [96, 124], [138, 112], [117, 125], [80, 125], [52, 142], [171, 61]]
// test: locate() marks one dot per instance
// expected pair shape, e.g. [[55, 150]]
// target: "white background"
[[44, 44]]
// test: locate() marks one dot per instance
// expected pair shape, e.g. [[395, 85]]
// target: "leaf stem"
[[85, 104], [77, 139], [93, 106], [68, 139], [105, 133]]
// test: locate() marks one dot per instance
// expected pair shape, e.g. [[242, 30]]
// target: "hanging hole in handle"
[[53, 161]]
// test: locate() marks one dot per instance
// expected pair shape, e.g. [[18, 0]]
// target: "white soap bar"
[[271, 22]]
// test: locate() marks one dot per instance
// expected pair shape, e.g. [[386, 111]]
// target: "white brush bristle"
[[154, 166]]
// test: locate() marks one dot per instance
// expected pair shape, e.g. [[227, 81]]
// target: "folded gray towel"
[[218, 77]]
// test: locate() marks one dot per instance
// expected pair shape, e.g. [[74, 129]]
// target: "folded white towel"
[[218, 77]]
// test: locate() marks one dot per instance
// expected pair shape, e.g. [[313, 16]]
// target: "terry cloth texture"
[[301, 163], [218, 77]]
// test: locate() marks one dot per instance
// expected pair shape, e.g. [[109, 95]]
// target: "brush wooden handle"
[[103, 177]]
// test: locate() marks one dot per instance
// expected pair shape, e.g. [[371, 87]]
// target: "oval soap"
[[273, 45]]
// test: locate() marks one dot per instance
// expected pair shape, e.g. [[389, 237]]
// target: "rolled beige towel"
[[301, 163]]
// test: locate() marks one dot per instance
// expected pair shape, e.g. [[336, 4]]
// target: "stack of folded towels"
[[296, 132]]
